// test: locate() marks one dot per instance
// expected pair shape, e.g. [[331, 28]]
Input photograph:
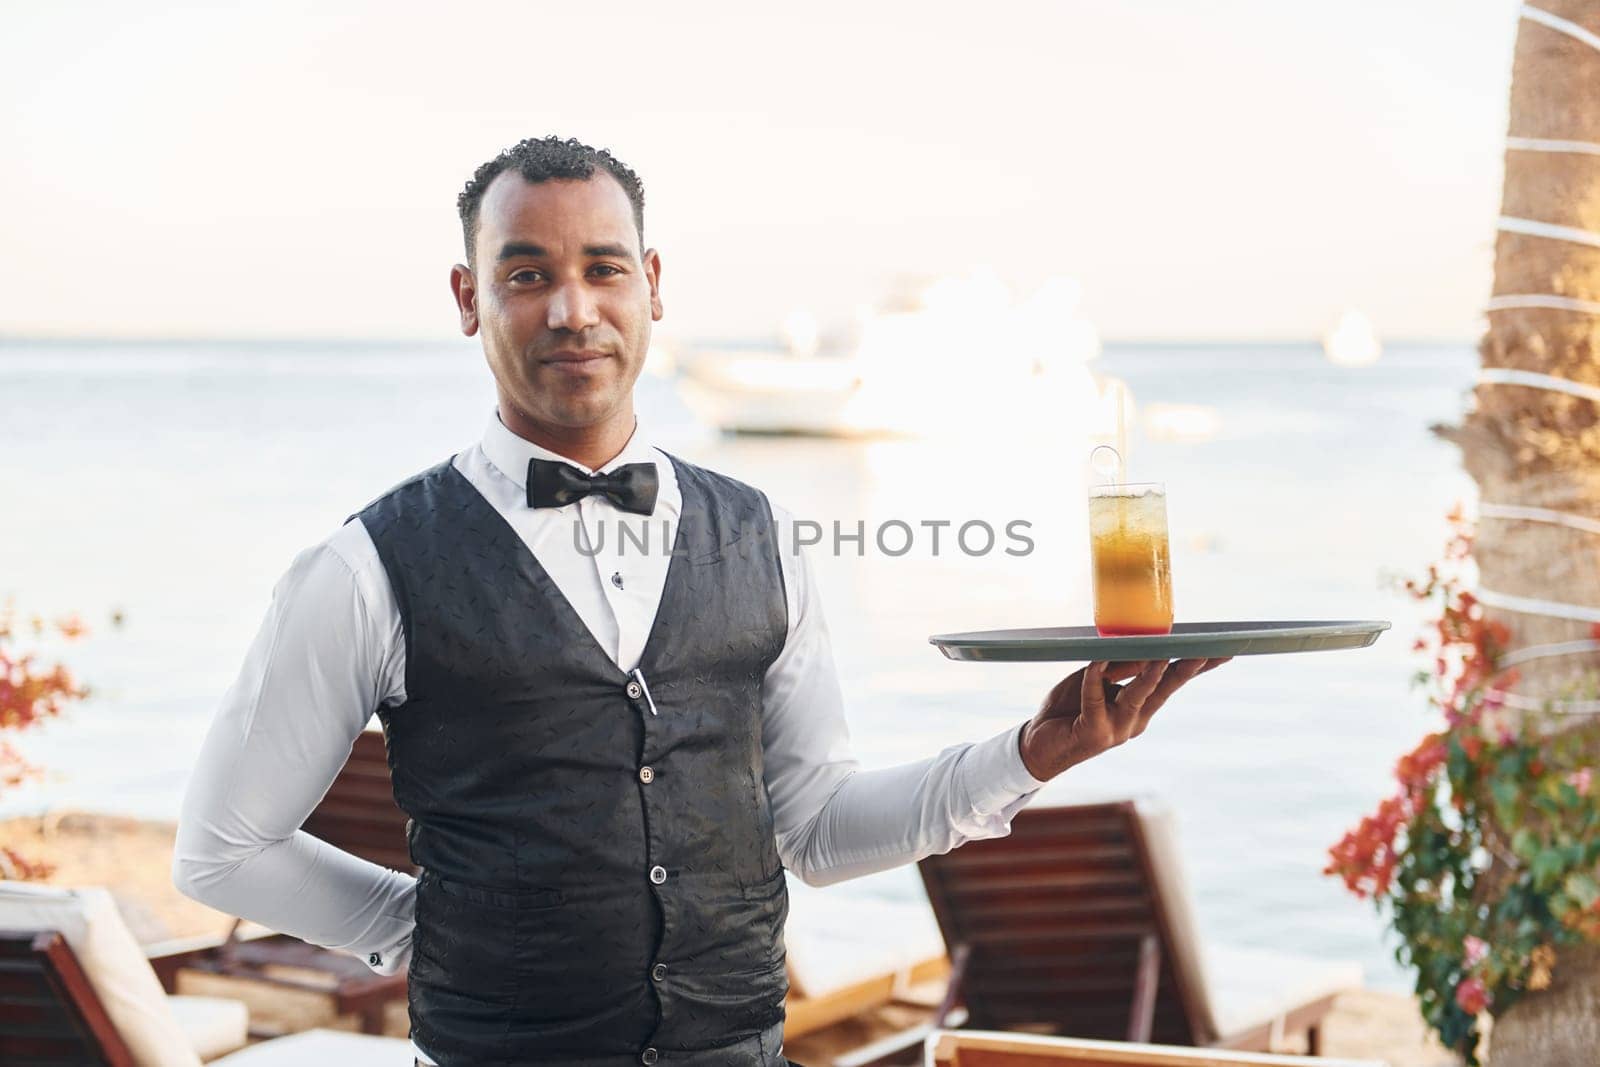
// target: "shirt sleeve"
[[317, 669], [835, 821]]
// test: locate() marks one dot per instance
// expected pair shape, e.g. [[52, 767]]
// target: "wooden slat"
[[1042, 884], [49, 1013], [1048, 853], [15, 986], [804, 1014], [1062, 913], [1007, 1050], [1055, 913], [1086, 930], [37, 1014]]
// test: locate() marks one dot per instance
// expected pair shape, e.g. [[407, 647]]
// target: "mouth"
[[573, 356]]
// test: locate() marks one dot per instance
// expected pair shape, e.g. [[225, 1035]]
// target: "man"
[[608, 760]]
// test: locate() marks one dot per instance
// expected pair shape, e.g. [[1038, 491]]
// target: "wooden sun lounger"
[[49, 1014], [76, 988], [850, 954], [976, 1049], [1078, 923], [806, 1014]]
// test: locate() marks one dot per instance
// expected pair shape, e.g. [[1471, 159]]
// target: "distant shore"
[[131, 857]]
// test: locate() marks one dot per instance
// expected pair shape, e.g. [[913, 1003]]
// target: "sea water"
[[171, 484]]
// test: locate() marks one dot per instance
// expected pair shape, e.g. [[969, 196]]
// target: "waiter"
[[608, 759]]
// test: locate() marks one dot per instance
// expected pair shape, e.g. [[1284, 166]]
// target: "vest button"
[[658, 874], [659, 972], [649, 1055], [647, 775], [634, 690]]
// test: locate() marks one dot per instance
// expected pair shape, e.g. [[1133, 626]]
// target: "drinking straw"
[[1106, 471], [1119, 391]]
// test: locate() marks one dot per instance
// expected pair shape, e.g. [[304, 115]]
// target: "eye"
[[608, 269], [525, 276]]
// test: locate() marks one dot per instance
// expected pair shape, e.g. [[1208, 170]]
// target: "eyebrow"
[[515, 250]]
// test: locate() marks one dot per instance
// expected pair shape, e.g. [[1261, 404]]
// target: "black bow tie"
[[631, 487]]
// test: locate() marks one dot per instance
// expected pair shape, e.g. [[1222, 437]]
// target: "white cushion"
[[113, 961], [1236, 988], [834, 939], [1183, 946], [316, 1047], [212, 1025], [1251, 986]]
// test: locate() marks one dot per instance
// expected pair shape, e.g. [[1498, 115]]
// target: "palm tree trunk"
[[1539, 448]]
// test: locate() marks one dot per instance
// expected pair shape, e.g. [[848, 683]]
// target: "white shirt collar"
[[510, 453]]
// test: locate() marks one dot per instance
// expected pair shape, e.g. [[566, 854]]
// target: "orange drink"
[[1132, 562]]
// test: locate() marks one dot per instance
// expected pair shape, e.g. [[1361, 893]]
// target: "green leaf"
[[1504, 790], [1524, 844], [1547, 866]]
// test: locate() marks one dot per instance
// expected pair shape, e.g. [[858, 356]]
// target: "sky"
[[1238, 169]]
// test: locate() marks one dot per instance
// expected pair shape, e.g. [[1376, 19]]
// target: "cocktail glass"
[[1131, 558]]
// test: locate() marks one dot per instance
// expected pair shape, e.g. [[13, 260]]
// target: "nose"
[[572, 307]]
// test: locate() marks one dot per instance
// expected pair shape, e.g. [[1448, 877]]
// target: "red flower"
[[1416, 767], [1366, 856], [1472, 996]]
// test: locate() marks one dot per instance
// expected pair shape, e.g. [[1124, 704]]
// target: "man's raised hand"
[[1088, 712]]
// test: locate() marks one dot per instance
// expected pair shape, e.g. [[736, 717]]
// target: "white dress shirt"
[[331, 651]]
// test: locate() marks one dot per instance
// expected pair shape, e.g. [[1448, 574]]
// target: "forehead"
[[558, 215]]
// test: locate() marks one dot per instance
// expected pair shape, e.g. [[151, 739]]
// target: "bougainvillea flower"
[[1472, 995]]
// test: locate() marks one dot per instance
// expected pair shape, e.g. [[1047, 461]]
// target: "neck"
[[593, 446]]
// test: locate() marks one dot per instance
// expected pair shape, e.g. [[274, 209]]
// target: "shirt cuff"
[[996, 775], [391, 960]]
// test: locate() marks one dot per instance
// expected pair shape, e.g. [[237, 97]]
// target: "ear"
[[652, 273], [465, 287]]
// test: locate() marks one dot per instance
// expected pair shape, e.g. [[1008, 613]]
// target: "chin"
[[578, 414]]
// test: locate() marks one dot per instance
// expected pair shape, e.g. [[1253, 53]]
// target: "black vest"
[[600, 879]]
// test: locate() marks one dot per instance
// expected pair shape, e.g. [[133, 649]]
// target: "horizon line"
[[373, 341]]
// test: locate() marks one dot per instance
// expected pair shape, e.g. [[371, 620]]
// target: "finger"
[[1133, 696], [1092, 699], [1213, 664], [1177, 674], [1149, 676], [1123, 669]]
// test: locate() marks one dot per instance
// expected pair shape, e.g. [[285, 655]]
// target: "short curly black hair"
[[543, 159]]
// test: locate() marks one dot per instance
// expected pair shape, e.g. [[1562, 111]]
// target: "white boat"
[[1353, 342], [772, 391], [963, 357]]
